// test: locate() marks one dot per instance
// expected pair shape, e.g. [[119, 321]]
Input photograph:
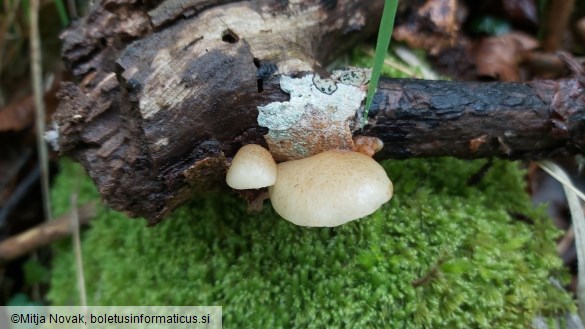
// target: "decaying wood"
[[43, 234], [541, 119], [168, 92]]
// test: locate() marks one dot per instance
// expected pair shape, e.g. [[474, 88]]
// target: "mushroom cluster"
[[325, 190]]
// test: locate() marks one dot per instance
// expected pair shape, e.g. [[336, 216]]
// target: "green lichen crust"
[[440, 254]]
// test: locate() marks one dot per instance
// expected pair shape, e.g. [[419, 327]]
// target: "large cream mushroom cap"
[[252, 167], [329, 189]]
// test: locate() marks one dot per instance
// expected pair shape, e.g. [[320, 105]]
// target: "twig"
[[544, 62], [43, 234], [559, 14], [571, 62], [77, 248], [36, 71], [431, 273]]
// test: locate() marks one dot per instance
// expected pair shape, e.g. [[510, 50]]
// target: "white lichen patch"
[[312, 121], [52, 136]]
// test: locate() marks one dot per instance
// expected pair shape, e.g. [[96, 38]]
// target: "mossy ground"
[[472, 264]]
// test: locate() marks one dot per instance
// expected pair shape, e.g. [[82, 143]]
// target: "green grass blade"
[[62, 12], [382, 44], [26, 9]]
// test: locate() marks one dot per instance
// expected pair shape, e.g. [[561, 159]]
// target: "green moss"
[[440, 254]]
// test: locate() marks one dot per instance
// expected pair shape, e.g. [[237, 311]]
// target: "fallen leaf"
[[433, 27], [497, 58], [19, 114]]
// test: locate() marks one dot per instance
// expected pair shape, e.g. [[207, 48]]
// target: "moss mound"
[[440, 254]]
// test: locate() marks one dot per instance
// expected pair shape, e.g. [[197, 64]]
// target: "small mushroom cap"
[[329, 189], [252, 167], [368, 145]]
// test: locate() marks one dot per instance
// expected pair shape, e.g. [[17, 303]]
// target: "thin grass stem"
[[578, 218], [36, 71], [382, 44]]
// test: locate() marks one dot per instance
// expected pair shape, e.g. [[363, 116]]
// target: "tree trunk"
[[168, 92]]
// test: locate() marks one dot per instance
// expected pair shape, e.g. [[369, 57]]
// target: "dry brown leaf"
[[20, 113], [433, 27], [498, 57], [17, 115], [443, 13]]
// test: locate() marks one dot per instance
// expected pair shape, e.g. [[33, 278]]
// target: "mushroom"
[[329, 189], [368, 145], [252, 168]]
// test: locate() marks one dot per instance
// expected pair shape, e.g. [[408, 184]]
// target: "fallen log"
[[168, 92]]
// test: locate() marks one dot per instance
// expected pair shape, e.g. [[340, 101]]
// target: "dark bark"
[[168, 93], [536, 120]]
